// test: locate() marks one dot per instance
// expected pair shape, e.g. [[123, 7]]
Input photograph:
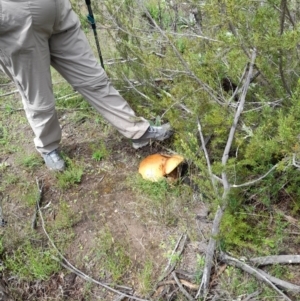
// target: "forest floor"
[[121, 234], [117, 230], [99, 213]]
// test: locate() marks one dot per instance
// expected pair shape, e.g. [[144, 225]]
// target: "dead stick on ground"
[[40, 185], [283, 259], [249, 269], [170, 267], [188, 284], [65, 263], [182, 288], [287, 286], [9, 93], [249, 297]]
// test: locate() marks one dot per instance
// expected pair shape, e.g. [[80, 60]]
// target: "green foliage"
[[66, 217], [145, 278], [161, 198], [113, 254], [100, 151], [1, 246], [30, 262], [32, 161], [4, 139], [236, 283], [237, 231], [71, 176]]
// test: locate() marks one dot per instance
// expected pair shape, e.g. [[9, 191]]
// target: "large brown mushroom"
[[157, 166]]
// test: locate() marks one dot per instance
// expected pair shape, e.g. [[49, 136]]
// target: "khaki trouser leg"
[[72, 57], [25, 27], [35, 33]]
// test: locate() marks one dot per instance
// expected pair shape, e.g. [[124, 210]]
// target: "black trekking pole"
[[93, 24]]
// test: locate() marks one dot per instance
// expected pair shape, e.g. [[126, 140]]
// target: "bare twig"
[[203, 144], [186, 283], [173, 252], [68, 96], [281, 71], [205, 87], [170, 267], [134, 88], [247, 268], [182, 288], [256, 180], [250, 296], [295, 163], [233, 30], [287, 286], [204, 286], [40, 186], [9, 93], [283, 259], [120, 298], [2, 221]]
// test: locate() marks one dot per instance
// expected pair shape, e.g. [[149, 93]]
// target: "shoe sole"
[[137, 145]]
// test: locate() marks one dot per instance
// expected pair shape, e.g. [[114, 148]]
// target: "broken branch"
[[182, 288], [204, 286], [40, 186], [277, 259], [252, 271]]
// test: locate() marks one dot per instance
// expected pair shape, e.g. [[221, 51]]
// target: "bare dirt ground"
[[107, 225], [105, 199]]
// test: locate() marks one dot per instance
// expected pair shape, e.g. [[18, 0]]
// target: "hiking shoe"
[[159, 133], [54, 161]]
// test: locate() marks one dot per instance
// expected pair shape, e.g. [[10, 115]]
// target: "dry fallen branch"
[[295, 163], [40, 185], [250, 296], [186, 283], [182, 288], [9, 93], [277, 259], [287, 286], [170, 267], [252, 271]]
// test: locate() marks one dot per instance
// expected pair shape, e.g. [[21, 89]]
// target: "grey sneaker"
[[54, 161], [159, 133]]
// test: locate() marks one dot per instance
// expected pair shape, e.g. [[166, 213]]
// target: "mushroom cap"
[[155, 167], [172, 163]]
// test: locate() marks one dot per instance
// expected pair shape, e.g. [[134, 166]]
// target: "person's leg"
[[25, 27], [24, 56], [73, 58]]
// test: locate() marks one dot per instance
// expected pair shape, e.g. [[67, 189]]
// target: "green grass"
[[4, 137], [100, 151], [113, 255], [162, 200], [71, 176], [31, 261], [145, 278], [32, 161]]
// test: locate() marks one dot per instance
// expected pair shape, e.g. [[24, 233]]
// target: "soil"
[[104, 199], [107, 198]]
